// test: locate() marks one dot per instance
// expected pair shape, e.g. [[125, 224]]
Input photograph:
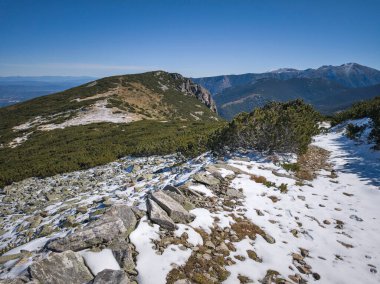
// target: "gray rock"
[[97, 232], [214, 171], [231, 192], [108, 276], [236, 170], [125, 213], [175, 210], [123, 255], [172, 189], [206, 179], [181, 199], [159, 216], [12, 281], [61, 268]]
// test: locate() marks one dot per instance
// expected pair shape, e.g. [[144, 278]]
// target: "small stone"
[[297, 256], [316, 276], [82, 209], [206, 256], [210, 244], [303, 269]]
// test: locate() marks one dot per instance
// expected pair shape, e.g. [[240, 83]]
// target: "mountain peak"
[[283, 70]]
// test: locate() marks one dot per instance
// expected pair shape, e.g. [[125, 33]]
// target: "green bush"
[[353, 131], [80, 147], [276, 127], [370, 109]]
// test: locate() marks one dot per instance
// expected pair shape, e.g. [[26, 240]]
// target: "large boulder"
[[175, 210], [126, 214], [159, 216], [109, 276], [103, 230], [61, 268]]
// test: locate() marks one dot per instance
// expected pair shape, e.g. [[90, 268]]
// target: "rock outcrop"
[[61, 268], [188, 87]]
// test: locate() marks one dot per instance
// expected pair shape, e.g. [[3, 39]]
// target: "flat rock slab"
[[231, 192], [61, 268], [109, 276], [159, 216], [103, 230], [206, 179], [174, 209]]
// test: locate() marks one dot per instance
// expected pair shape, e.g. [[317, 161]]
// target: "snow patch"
[[151, 266], [98, 261]]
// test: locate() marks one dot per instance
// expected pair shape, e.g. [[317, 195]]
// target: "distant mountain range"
[[328, 88], [16, 89]]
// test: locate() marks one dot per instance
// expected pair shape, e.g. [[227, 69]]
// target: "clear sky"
[[192, 37]]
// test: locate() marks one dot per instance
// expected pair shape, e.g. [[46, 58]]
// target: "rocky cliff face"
[[190, 88]]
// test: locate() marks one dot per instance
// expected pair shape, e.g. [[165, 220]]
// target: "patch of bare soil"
[[314, 160]]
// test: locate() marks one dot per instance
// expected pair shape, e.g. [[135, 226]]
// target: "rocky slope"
[[166, 219]]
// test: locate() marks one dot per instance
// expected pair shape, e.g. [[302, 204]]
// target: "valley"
[[329, 89]]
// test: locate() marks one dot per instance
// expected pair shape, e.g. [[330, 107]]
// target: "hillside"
[[149, 113]]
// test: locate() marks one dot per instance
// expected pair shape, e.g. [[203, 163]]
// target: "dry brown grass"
[[258, 179], [245, 228]]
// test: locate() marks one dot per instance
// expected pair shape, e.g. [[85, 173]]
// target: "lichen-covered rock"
[[61, 268], [97, 232], [125, 213], [109, 276], [122, 251], [175, 210], [159, 216]]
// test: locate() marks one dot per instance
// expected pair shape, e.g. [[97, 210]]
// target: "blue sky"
[[192, 37]]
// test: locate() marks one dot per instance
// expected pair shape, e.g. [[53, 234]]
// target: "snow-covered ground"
[[332, 222], [336, 220], [97, 113]]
